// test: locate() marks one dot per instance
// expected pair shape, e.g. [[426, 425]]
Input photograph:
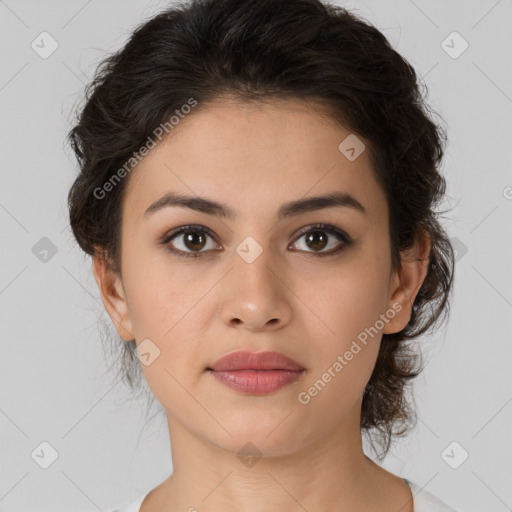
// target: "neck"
[[330, 473]]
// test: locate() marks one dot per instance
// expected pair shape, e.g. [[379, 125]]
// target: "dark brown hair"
[[258, 50]]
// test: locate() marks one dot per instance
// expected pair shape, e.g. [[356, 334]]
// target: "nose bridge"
[[253, 295], [252, 266]]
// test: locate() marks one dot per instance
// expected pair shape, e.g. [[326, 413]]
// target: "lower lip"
[[257, 382]]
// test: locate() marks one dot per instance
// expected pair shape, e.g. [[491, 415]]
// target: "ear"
[[406, 282], [113, 296]]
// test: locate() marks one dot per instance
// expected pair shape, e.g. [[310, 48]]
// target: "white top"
[[423, 502]]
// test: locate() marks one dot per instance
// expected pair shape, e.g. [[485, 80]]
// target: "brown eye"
[[190, 241], [322, 236], [194, 240], [317, 240]]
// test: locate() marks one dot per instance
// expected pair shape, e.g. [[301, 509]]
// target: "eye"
[[321, 236], [192, 241], [189, 241]]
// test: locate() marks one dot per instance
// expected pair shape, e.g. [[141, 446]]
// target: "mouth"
[[257, 373]]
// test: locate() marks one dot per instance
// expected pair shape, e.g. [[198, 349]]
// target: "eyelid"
[[189, 227], [328, 228]]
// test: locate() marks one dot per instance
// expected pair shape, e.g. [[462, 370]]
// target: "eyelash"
[[345, 240]]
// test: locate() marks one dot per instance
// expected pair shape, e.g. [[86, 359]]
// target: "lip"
[[245, 360], [256, 373]]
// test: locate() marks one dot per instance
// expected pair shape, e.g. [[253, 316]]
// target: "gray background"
[[54, 384]]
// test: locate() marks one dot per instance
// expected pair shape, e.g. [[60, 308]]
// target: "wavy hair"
[[259, 50]]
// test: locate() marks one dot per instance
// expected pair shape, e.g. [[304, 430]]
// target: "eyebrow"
[[290, 209]]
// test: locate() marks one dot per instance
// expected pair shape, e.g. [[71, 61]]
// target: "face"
[[263, 278]]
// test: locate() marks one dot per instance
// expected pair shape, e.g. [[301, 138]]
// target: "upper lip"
[[245, 360]]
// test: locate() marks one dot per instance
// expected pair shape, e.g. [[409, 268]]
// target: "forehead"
[[251, 155]]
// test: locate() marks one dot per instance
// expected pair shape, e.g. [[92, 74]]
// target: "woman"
[[257, 189]]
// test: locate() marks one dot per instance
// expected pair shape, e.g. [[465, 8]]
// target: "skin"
[[254, 158]]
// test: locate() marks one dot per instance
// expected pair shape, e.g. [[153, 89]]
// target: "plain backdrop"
[[54, 387]]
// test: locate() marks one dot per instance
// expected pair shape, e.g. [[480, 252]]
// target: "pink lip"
[[256, 373], [245, 360]]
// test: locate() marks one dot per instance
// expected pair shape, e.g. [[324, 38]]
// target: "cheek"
[[162, 294], [171, 305], [348, 300], [348, 296], [168, 307], [345, 357]]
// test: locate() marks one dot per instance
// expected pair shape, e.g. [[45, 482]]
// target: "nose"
[[256, 295]]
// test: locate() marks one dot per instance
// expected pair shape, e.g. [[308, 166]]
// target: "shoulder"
[[425, 501], [132, 506]]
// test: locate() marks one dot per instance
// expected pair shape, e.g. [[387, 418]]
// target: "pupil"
[[316, 238]]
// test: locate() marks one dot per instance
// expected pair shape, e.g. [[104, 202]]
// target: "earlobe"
[[407, 281], [112, 296]]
